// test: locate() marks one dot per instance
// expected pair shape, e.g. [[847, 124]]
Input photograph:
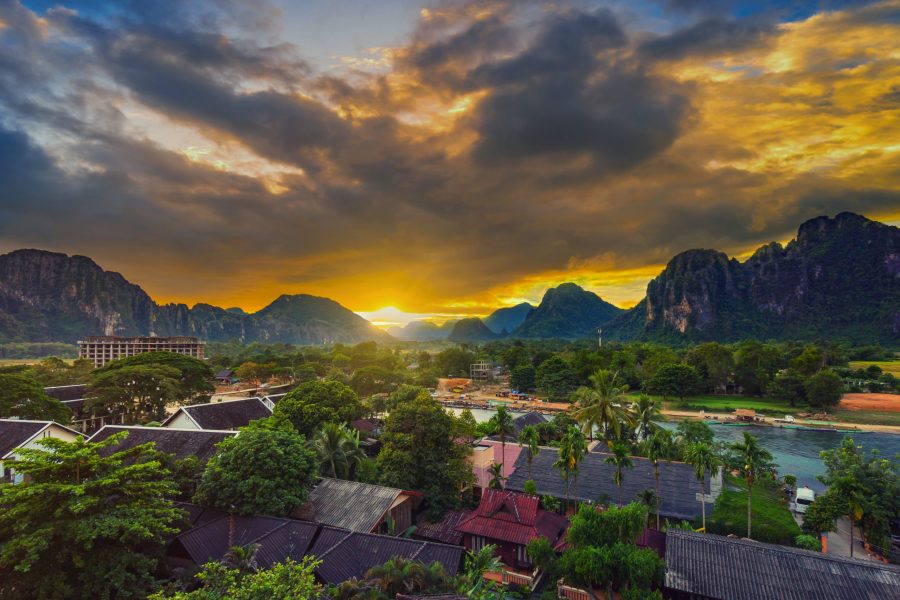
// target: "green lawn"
[[711, 403], [888, 366], [772, 519], [866, 417]]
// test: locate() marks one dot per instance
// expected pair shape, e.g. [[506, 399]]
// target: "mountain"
[[567, 311], [422, 331], [504, 320], [839, 279], [471, 329], [48, 296]]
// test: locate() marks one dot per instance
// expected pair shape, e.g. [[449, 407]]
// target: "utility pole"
[[600, 339]]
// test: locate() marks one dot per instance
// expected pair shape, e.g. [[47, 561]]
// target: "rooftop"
[[16, 432], [180, 442], [230, 414], [512, 517], [713, 566], [348, 504], [66, 392]]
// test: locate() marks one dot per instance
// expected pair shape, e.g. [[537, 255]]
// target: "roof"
[[713, 566], [199, 515], [512, 517], [347, 554], [224, 373], [348, 504], [230, 414], [745, 412], [530, 418], [180, 442], [15, 433], [678, 485], [278, 538], [511, 453], [66, 392], [368, 425], [444, 531]]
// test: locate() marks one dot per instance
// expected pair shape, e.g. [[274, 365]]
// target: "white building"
[[21, 433]]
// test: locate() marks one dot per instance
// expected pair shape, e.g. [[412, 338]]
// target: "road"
[[839, 541]]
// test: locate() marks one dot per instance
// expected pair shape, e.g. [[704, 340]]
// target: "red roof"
[[512, 517]]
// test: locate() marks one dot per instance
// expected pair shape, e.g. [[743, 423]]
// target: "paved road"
[[839, 541]]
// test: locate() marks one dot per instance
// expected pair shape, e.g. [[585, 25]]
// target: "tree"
[[703, 458], [693, 432], [530, 440], [260, 471], [338, 451], [601, 405], [194, 379], [824, 389], [419, 453], [752, 460], [572, 448], [405, 576], [497, 479], [714, 362], [789, 386], [809, 362], [287, 580], [657, 447], [556, 378], [253, 371], [621, 459], [24, 398], [454, 362], [315, 403], [138, 392], [501, 424], [86, 522], [373, 379], [646, 411], [522, 377], [674, 380]]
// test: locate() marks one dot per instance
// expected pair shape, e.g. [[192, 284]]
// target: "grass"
[[888, 366], [866, 417], [712, 403], [772, 519], [11, 362]]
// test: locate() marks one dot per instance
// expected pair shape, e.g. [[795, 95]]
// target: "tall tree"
[[572, 449], [138, 392], [752, 459], [674, 380], [265, 471], [657, 447], [601, 405], [501, 424], [497, 479], [556, 378], [621, 460], [24, 398], [530, 440], [646, 411], [315, 403], [337, 447], [195, 377], [705, 461], [86, 522], [824, 389]]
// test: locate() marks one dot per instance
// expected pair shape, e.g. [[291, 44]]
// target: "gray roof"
[[180, 442], [15, 432], [347, 554], [230, 414], [530, 418], [67, 392], [679, 488], [348, 504], [712, 566]]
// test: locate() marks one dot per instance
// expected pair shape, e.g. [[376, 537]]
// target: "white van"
[[802, 499]]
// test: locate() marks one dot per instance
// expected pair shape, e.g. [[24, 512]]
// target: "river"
[[795, 451]]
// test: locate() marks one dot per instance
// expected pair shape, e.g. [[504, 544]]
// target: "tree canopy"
[[24, 398], [314, 403]]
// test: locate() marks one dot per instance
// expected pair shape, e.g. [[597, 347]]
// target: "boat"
[[736, 424]]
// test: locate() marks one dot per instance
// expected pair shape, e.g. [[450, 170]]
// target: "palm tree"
[[242, 558], [403, 576], [646, 412], [657, 447], [601, 405], [753, 458], [530, 440], [648, 499], [472, 582], [621, 458], [704, 459], [338, 451], [501, 424], [572, 448], [497, 478]]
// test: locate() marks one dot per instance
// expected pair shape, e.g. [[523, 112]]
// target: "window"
[[478, 543], [522, 556]]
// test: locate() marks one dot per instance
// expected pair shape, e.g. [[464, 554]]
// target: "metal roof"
[[182, 443], [230, 414], [348, 504], [712, 566], [67, 392], [444, 531], [15, 432], [679, 489], [512, 517]]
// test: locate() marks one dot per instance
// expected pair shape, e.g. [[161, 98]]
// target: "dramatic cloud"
[[474, 156]]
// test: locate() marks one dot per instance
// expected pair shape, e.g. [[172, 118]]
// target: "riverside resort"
[[449, 300]]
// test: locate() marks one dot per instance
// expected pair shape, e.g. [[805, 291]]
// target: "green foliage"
[[621, 460], [315, 403], [86, 523], [551, 503], [694, 432], [37, 350], [24, 398], [772, 519], [338, 451], [591, 527], [374, 379], [419, 453], [808, 542], [54, 371], [824, 389], [556, 378], [454, 362], [261, 471], [530, 441], [138, 392], [397, 576], [194, 379], [677, 380], [809, 362], [789, 386], [751, 461], [530, 487], [282, 581], [704, 459], [572, 449], [522, 377], [600, 406]]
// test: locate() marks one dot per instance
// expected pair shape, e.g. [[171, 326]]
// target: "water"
[[795, 451], [481, 414]]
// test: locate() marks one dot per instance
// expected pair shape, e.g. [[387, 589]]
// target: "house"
[[228, 415], [367, 426], [85, 420], [679, 489], [510, 520], [530, 418], [182, 443], [21, 433], [357, 506], [225, 376], [712, 567], [486, 453]]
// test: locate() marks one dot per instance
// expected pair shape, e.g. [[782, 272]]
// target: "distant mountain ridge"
[[567, 311], [48, 296], [505, 320], [471, 329]]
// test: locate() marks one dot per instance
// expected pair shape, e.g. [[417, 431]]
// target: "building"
[[357, 506], [679, 489], [482, 371], [712, 567], [181, 443], [104, 349], [229, 415], [21, 433], [488, 452]]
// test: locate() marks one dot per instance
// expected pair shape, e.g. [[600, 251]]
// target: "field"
[[711, 403], [871, 402], [888, 366], [11, 362], [772, 519]]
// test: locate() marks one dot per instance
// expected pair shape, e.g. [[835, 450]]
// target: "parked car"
[[802, 499]]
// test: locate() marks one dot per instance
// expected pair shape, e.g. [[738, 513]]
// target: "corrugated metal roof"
[[348, 504], [211, 540], [679, 493], [512, 517], [182, 443], [67, 392], [230, 414], [445, 530], [724, 568], [14, 433]]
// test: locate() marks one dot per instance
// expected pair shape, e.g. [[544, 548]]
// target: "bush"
[[808, 542], [772, 519]]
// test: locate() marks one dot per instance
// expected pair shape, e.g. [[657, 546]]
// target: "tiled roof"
[[512, 517], [511, 453], [712, 566], [230, 414], [367, 425], [530, 418], [444, 531], [66, 392], [346, 554], [180, 442], [348, 504], [15, 432], [198, 515], [679, 493]]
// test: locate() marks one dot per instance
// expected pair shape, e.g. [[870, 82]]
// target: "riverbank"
[[678, 414]]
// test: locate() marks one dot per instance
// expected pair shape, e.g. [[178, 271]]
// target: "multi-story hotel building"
[[103, 349]]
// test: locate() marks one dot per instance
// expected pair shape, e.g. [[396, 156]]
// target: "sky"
[[436, 159]]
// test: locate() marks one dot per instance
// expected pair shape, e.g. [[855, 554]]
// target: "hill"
[[504, 320], [422, 331], [472, 329], [567, 311]]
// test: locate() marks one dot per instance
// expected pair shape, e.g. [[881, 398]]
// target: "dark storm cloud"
[[709, 37]]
